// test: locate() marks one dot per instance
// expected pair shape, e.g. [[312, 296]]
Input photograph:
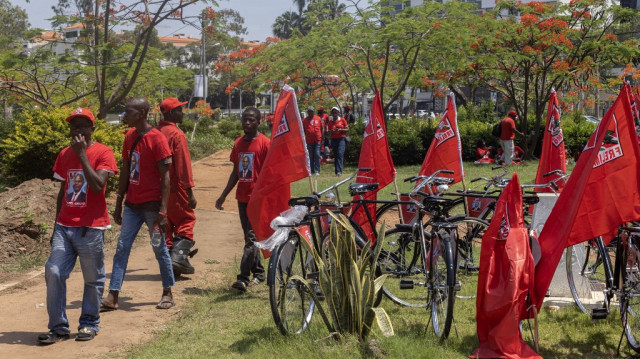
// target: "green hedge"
[[30, 149], [409, 138]]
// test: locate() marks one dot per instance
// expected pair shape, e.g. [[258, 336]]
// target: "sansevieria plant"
[[347, 280]]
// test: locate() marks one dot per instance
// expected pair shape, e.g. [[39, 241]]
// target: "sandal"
[[85, 334], [165, 303], [52, 337]]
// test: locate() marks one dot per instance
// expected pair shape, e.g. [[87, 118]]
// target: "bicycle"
[[292, 306], [620, 280], [419, 257]]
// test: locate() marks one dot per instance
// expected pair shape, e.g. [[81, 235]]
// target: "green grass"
[[218, 322]]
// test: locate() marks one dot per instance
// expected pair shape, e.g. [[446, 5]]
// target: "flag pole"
[[311, 184], [395, 184]]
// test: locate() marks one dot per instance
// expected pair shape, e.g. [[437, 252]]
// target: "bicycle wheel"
[[291, 304], [586, 276], [389, 214], [468, 239], [400, 259], [630, 299], [441, 284]]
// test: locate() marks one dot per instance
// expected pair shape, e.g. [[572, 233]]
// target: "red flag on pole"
[[505, 279], [445, 151], [602, 193], [287, 161], [553, 155], [374, 155]]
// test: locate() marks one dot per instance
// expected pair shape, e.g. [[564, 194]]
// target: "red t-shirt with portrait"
[[81, 207], [312, 129], [339, 123], [248, 156], [144, 176]]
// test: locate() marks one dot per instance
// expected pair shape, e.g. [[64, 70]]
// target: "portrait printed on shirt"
[[245, 167], [134, 168], [76, 195]]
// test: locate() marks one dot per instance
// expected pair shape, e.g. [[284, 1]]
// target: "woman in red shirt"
[[338, 127]]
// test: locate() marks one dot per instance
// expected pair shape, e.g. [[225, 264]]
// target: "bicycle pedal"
[[599, 313], [406, 284]]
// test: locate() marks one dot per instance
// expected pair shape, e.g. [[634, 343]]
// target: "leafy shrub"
[[576, 132], [230, 128], [205, 144], [30, 149]]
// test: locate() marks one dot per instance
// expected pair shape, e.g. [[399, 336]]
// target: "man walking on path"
[[146, 200], [507, 135], [313, 135], [83, 167], [251, 149], [180, 214]]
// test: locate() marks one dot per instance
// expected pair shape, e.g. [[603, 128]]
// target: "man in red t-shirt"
[[338, 127], [182, 202], [248, 155], [146, 183], [507, 134], [312, 125], [326, 137], [81, 219]]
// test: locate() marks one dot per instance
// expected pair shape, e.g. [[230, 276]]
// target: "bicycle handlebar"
[[335, 185]]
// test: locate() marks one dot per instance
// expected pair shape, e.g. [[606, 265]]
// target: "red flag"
[[505, 279], [445, 151], [602, 192], [287, 161], [553, 155], [374, 155]]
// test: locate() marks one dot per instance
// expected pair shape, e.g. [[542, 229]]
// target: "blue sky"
[[258, 15]]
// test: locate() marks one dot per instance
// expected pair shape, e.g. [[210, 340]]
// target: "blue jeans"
[[338, 145], [67, 244], [314, 157], [132, 220]]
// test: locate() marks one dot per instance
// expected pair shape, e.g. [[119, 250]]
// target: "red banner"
[[505, 279], [553, 155], [445, 151], [374, 155], [287, 161], [602, 193]]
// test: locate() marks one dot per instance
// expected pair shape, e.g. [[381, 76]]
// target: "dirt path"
[[23, 313]]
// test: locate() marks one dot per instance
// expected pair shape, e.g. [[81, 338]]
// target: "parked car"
[[422, 113], [591, 119]]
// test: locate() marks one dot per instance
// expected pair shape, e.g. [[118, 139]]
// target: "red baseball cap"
[[513, 113], [320, 108], [170, 103], [82, 112], [347, 107]]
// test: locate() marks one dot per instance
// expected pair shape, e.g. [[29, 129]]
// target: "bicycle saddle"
[[303, 201], [361, 188]]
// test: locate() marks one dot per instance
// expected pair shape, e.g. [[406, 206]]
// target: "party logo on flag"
[[444, 131], [610, 148], [283, 126], [368, 130], [554, 128]]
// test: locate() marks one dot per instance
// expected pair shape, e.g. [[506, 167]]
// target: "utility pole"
[[203, 60]]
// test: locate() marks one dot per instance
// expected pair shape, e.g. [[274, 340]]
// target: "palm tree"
[[301, 5], [284, 24]]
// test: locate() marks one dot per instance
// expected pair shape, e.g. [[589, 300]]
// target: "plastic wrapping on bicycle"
[[361, 188], [304, 201], [633, 229]]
